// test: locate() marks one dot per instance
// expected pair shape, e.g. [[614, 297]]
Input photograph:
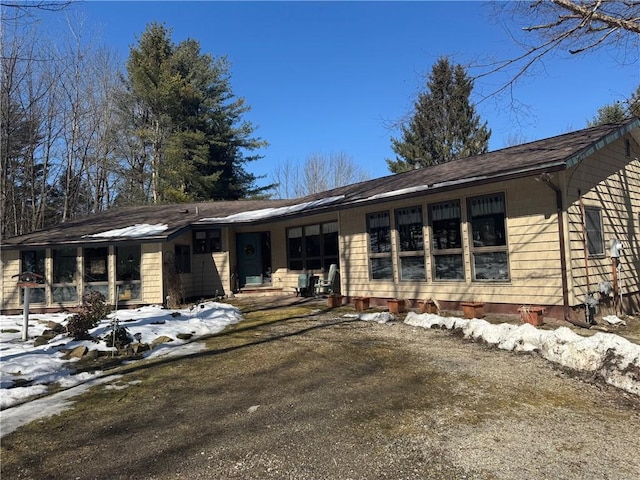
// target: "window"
[[446, 240], [96, 270], [489, 242], [65, 266], [33, 261], [411, 243], [183, 258], [593, 227], [128, 282], [207, 241], [379, 228], [312, 247]]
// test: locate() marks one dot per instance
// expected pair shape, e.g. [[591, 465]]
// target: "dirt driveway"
[[317, 396]]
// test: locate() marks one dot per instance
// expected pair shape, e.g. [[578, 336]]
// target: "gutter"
[[546, 179]]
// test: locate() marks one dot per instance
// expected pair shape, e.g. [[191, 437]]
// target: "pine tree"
[[444, 126], [186, 122]]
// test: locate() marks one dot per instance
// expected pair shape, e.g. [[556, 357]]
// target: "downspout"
[[546, 179]]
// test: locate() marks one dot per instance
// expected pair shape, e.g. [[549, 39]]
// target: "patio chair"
[[305, 285], [328, 285]]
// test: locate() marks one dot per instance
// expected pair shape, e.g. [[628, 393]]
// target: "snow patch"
[[607, 355]]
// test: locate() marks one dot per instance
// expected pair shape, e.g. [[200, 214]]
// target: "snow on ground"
[[39, 366], [609, 356]]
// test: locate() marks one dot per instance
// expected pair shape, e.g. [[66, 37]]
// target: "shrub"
[[93, 309], [120, 339]]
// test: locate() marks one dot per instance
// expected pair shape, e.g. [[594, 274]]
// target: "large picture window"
[[446, 241], [312, 247], [593, 227], [380, 261], [489, 239], [411, 243]]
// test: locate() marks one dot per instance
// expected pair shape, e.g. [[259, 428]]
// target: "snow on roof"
[[138, 230], [265, 213]]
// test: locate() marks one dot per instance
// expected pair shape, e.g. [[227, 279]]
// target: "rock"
[[140, 347], [160, 340], [92, 355], [56, 327], [78, 352], [175, 314], [184, 336], [43, 339]]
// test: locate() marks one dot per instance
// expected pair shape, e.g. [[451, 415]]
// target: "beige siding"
[[10, 293], [533, 240], [151, 273], [609, 181]]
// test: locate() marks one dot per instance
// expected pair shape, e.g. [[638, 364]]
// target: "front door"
[[249, 258]]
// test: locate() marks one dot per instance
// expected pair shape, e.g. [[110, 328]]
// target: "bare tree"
[[317, 174], [574, 26]]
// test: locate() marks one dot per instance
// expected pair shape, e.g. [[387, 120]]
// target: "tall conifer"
[[444, 126]]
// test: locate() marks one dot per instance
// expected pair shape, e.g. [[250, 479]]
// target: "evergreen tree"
[[618, 111], [186, 122], [609, 114], [444, 125]]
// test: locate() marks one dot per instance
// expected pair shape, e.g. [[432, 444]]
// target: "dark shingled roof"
[[556, 153]]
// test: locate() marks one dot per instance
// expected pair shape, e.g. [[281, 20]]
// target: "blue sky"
[[332, 77]]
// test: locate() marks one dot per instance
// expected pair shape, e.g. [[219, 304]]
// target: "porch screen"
[[446, 240], [489, 239]]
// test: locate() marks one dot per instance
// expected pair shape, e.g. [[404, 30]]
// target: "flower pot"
[[334, 301], [473, 309], [361, 303], [427, 306], [532, 315], [395, 306]]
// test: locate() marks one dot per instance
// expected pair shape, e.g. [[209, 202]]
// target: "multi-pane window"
[[207, 241], [96, 270], [33, 261], [128, 282], [593, 227], [312, 247], [411, 243], [379, 228], [65, 269], [489, 240], [446, 240]]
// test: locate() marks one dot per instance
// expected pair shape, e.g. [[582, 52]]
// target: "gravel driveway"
[[321, 397]]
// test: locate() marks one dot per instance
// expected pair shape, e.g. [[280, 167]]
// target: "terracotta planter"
[[532, 315], [361, 303], [427, 306], [334, 301], [395, 306], [473, 309]]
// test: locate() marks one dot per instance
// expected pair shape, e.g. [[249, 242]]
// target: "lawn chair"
[[305, 285], [329, 285]]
